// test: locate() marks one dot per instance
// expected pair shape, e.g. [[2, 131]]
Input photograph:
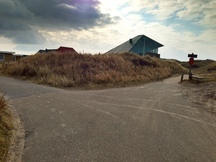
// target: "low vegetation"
[[74, 70], [5, 129]]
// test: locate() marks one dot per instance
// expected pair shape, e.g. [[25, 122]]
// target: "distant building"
[[17, 57], [141, 45], [46, 50], [6, 56], [59, 50]]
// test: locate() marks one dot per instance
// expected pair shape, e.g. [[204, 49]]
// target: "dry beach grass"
[[5, 129], [86, 70]]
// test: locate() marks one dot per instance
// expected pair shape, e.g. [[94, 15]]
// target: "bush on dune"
[[70, 69]]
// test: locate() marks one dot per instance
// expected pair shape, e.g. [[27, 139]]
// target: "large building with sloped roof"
[[141, 45]]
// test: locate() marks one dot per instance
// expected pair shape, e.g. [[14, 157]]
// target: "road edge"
[[16, 148]]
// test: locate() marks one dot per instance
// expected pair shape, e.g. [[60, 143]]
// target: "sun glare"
[[106, 5], [111, 7]]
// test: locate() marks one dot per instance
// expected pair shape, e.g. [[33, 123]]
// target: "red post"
[[191, 62]]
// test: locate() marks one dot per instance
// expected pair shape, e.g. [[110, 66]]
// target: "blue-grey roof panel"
[[139, 44]]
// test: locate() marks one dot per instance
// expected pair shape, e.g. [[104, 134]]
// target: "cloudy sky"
[[96, 26]]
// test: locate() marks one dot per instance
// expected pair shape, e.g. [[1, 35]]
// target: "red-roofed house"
[[59, 50], [65, 49]]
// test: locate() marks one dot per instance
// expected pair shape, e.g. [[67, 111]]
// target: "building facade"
[[6, 56]]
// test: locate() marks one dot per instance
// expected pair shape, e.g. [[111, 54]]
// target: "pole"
[[144, 46], [190, 73]]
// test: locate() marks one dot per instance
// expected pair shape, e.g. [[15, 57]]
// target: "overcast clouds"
[[20, 19], [99, 25]]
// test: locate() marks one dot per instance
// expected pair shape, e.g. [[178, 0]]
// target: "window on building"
[[154, 51], [2, 57]]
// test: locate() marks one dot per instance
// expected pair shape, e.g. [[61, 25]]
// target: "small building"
[[46, 51], [141, 45], [17, 57], [6, 56], [59, 50]]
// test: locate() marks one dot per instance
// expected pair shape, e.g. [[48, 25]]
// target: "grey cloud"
[[21, 34], [19, 16], [76, 14], [28, 37], [12, 9]]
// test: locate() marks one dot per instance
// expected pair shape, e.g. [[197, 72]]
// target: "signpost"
[[191, 62]]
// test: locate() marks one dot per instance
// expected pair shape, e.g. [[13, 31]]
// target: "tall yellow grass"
[[5, 129], [70, 69]]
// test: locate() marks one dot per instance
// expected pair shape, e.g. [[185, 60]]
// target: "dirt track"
[[202, 94]]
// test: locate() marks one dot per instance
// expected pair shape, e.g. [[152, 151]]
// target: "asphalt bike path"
[[152, 122]]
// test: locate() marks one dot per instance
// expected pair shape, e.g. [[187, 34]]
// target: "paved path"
[[153, 122]]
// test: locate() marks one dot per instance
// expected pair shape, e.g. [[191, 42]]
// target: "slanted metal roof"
[[140, 44]]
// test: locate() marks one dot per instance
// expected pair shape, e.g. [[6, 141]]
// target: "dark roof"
[[20, 55], [7, 52], [138, 44], [46, 50]]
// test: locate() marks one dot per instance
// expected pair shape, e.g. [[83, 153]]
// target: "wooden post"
[[190, 73], [182, 77]]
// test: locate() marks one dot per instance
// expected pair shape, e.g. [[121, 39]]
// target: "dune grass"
[[74, 70], [5, 129]]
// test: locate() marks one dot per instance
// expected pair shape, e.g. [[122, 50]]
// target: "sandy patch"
[[201, 94]]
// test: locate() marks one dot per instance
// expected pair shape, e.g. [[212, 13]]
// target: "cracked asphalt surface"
[[153, 122]]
